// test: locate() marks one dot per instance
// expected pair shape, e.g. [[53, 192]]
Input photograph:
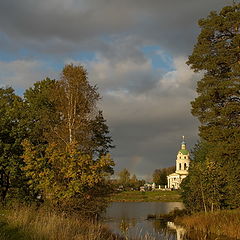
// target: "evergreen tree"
[[12, 132], [217, 55]]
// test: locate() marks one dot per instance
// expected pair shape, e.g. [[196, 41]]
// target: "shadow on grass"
[[8, 232]]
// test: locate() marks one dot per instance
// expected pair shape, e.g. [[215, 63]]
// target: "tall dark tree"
[[41, 111], [12, 132], [217, 55]]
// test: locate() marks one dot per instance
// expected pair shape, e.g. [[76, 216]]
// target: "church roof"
[[184, 151], [174, 174]]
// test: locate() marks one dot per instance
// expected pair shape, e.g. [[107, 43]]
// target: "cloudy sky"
[[134, 50]]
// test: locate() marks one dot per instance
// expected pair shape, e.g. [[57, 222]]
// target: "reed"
[[224, 222], [29, 223]]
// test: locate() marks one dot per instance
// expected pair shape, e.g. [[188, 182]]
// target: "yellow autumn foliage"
[[68, 179]]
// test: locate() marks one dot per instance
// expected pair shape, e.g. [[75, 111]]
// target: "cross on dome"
[[183, 141]]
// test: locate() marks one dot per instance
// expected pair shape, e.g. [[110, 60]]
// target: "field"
[[151, 196]]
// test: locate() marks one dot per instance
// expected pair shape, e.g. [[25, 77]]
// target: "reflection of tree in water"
[[179, 230], [160, 226], [125, 225]]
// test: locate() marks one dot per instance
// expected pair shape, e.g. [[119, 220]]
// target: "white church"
[[182, 165]]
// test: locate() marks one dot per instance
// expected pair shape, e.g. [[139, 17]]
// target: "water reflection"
[[180, 231], [129, 219]]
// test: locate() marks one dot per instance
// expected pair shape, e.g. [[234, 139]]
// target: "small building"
[[182, 165]]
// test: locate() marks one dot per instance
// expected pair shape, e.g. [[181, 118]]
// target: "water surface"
[[130, 219]]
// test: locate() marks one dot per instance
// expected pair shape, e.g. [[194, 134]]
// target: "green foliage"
[[212, 182], [12, 132], [127, 181], [160, 175], [124, 177], [217, 54], [54, 144], [203, 188], [41, 111], [100, 140]]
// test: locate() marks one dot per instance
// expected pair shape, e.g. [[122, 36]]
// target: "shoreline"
[[150, 196], [26, 222]]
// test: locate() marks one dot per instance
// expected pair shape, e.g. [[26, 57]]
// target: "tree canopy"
[[56, 141], [160, 175], [212, 180]]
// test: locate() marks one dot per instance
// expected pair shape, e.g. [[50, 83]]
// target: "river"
[[129, 219]]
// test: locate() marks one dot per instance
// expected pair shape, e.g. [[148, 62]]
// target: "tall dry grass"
[[29, 223], [224, 222], [44, 224]]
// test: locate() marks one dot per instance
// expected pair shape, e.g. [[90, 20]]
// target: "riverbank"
[[221, 223], [151, 196], [27, 223]]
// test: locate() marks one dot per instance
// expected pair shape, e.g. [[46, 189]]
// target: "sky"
[[135, 51]]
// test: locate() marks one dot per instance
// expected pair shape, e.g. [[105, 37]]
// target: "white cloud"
[[23, 73]]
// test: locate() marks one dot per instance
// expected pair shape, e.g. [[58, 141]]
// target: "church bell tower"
[[183, 160]]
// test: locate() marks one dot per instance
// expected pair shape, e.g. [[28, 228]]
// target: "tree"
[[67, 160], [68, 179], [76, 106], [124, 177], [12, 132], [202, 190], [160, 175], [41, 111], [217, 55], [100, 140]]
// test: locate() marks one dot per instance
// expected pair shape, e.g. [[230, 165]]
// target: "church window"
[[180, 166], [185, 166]]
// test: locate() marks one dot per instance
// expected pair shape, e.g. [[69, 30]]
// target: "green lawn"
[[151, 196]]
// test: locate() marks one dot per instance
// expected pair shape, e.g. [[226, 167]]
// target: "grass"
[[26, 223], [221, 223], [151, 196]]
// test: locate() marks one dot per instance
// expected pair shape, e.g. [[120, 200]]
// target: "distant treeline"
[[160, 175]]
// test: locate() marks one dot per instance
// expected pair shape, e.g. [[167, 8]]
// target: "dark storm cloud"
[[73, 25], [148, 125], [148, 109]]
